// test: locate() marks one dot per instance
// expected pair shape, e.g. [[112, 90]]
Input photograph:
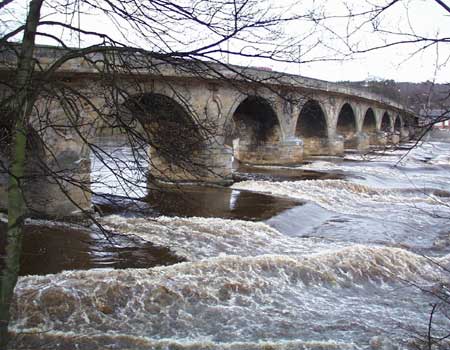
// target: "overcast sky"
[[401, 63]]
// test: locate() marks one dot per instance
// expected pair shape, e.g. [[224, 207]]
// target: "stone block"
[[283, 153], [213, 165], [395, 139], [363, 142]]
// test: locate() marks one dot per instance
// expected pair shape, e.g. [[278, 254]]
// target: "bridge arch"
[[370, 122], [177, 142], [255, 130], [398, 124], [45, 157], [406, 122], [312, 128], [166, 123], [311, 121], [346, 125], [370, 125], [386, 123], [256, 121], [35, 146]]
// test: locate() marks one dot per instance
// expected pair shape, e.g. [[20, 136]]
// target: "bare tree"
[[41, 105], [388, 30], [42, 100], [375, 27]]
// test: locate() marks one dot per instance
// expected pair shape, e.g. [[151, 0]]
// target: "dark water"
[[199, 201], [51, 249]]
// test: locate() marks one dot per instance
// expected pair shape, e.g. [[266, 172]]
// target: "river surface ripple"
[[332, 254]]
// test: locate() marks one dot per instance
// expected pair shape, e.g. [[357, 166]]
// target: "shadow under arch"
[[370, 126], [346, 125], [45, 173], [312, 128], [397, 124], [180, 148], [167, 126], [254, 132], [386, 125]]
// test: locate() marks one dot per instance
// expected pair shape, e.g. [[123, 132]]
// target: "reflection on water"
[[198, 201], [218, 202], [52, 249]]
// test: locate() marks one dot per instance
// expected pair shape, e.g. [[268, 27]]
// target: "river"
[[336, 253]]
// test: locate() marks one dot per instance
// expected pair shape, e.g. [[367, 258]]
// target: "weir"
[[197, 124]]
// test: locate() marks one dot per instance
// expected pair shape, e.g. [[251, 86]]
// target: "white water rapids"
[[352, 268]]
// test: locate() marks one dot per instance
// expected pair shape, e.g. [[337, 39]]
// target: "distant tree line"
[[420, 97]]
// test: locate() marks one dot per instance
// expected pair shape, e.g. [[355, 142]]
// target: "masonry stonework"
[[256, 121]]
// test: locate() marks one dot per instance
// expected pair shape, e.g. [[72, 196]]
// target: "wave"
[[223, 298], [198, 238], [247, 286], [355, 199], [58, 340]]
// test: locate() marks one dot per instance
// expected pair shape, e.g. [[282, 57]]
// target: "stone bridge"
[[252, 115]]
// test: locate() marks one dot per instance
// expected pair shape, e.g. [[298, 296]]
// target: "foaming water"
[[66, 341], [118, 168], [349, 267], [417, 168], [199, 238], [316, 298], [366, 214]]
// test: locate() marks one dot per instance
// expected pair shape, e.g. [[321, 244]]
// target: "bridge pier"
[[336, 145], [280, 153], [362, 142], [404, 135], [395, 138], [350, 141], [56, 183], [382, 138], [373, 138], [359, 141], [211, 165], [316, 146]]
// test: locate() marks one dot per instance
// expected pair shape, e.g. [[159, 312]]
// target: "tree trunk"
[[22, 107]]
